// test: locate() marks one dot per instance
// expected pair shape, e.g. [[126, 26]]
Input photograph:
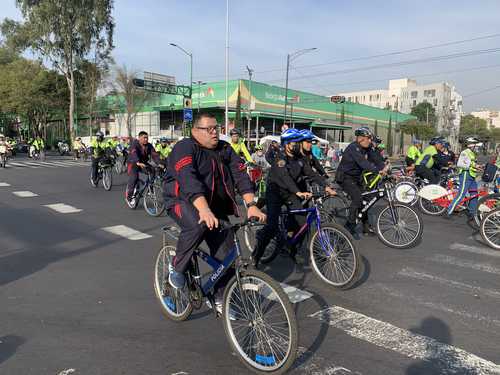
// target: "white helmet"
[[471, 141]]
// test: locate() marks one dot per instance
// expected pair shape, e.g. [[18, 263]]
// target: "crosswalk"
[[36, 164]]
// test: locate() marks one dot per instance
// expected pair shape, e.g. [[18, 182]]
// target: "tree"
[[418, 129], [133, 96], [376, 127], [237, 117], [473, 126], [425, 112], [389, 137], [342, 116], [62, 33]]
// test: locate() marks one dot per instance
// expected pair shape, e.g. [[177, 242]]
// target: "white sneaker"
[[218, 308]]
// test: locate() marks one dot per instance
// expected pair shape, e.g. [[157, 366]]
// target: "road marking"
[[444, 259], [61, 164], [295, 295], [126, 232], [4, 184], [63, 208], [314, 364], [21, 165], [25, 194], [67, 372], [35, 165], [413, 274], [474, 249], [449, 359], [436, 305], [45, 164]]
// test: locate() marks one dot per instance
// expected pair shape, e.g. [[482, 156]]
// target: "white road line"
[[60, 164], [35, 165], [4, 184], [317, 365], [436, 305], [413, 274], [449, 359], [16, 164], [45, 164], [444, 259], [126, 232], [25, 194], [474, 249], [63, 208], [295, 295]]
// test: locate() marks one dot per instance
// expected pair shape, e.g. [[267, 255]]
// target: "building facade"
[[404, 94], [492, 117]]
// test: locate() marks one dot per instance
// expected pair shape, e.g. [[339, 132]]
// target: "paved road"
[[76, 298]]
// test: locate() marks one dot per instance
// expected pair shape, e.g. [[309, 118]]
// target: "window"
[[371, 97], [414, 103], [435, 102], [429, 93], [414, 94]]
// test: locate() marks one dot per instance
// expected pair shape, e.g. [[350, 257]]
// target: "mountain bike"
[[152, 191], [104, 168], [258, 318], [332, 252], [490, 228]]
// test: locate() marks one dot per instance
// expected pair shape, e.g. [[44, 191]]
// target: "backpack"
[[489, 172]]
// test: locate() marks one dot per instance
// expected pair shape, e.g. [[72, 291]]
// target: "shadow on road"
[[437, 359], [9, 345]]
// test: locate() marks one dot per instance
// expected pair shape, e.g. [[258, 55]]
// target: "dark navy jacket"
[[138, 154], [355, 161], [191, 172]]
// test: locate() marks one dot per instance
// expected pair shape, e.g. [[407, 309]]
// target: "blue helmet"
[[437, 140], [163, 139], [290, 135], [307, 135], [416, 141]]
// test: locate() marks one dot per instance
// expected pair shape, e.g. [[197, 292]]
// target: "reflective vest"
[[113, 144], [427, 156], [241, 150], [472, 168], [413, 152], [163, 151], [98, 147]]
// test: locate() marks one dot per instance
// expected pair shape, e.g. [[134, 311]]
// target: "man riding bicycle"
[[141, 152], [307, 155], [99, 149], [239, 146], [199, 189], [468, 169], [287, 185], [353, 164], [78, 147], [425, 163], [259, 158], [413, 153]]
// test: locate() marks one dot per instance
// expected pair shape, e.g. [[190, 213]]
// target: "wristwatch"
[[251, 204]]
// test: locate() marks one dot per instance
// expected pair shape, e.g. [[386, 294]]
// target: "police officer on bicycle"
[[355, 161], [287, 185]]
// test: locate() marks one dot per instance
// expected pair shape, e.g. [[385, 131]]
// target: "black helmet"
[[99, 135], [234, 132], [377, 139], [436, 140], [364, 131]]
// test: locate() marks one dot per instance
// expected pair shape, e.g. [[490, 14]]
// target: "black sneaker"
[[131, 201], [368, 230]]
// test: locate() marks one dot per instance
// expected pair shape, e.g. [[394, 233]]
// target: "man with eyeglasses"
[[202, 175]]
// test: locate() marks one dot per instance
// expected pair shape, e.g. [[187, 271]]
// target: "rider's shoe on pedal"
[[218, 307], [131, 201], [368, 230], [176, 279]]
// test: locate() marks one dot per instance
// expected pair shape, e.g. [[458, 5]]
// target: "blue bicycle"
[[258, 318], [332, 250]]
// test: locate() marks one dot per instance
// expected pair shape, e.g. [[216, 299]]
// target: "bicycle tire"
[[260, 362], [343, 236], [485, 205], [152, 191], [412, 240], [428, 208], [334, 209], [408, 195], [163, 290], [107, 178]]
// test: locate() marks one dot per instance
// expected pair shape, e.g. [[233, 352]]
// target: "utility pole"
[[226, 106], [199, 94], [249, 118]]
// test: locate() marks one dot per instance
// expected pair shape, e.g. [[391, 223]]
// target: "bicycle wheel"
[[430, 208], [402, 231], [175, 304], [118, 165], [334, 256], [260, 323], [406, 192], [334, 209], [92, 182], [107, 178], [272, 249], [486, 204], [153, 202]]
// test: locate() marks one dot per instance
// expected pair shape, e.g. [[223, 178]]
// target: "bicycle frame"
[[446, 200], [313, 216]]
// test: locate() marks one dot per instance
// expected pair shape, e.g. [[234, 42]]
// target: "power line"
[[446, 44], [400, 63], [482, 91]]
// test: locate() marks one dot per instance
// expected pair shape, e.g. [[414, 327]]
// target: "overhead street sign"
[[337, 99]]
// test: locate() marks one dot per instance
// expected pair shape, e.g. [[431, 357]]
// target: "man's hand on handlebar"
[[330, 191], [254, 211], [303, 195], [141, 165], [207, 217]]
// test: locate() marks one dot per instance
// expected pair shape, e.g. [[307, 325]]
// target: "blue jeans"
[[466, 184]]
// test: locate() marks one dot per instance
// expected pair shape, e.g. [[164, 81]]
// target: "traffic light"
[[187, 103], [337, 99]]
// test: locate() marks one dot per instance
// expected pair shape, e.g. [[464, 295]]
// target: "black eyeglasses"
[[209, 129]]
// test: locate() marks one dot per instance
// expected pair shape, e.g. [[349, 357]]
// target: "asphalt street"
[[78, 298]]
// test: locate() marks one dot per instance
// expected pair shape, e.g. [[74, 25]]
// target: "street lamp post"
[[249, 119], [190, 63], [199, 93], [289, 58]]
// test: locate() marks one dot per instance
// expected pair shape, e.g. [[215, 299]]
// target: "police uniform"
[[288, 175], [375, 156], [354, 162], [425, 163], [194, 171], [98, 151], [138, 154]]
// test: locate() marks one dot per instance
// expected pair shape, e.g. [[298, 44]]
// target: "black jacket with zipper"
[[193, 171]]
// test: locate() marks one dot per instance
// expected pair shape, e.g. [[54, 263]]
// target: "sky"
[[348, 35]]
